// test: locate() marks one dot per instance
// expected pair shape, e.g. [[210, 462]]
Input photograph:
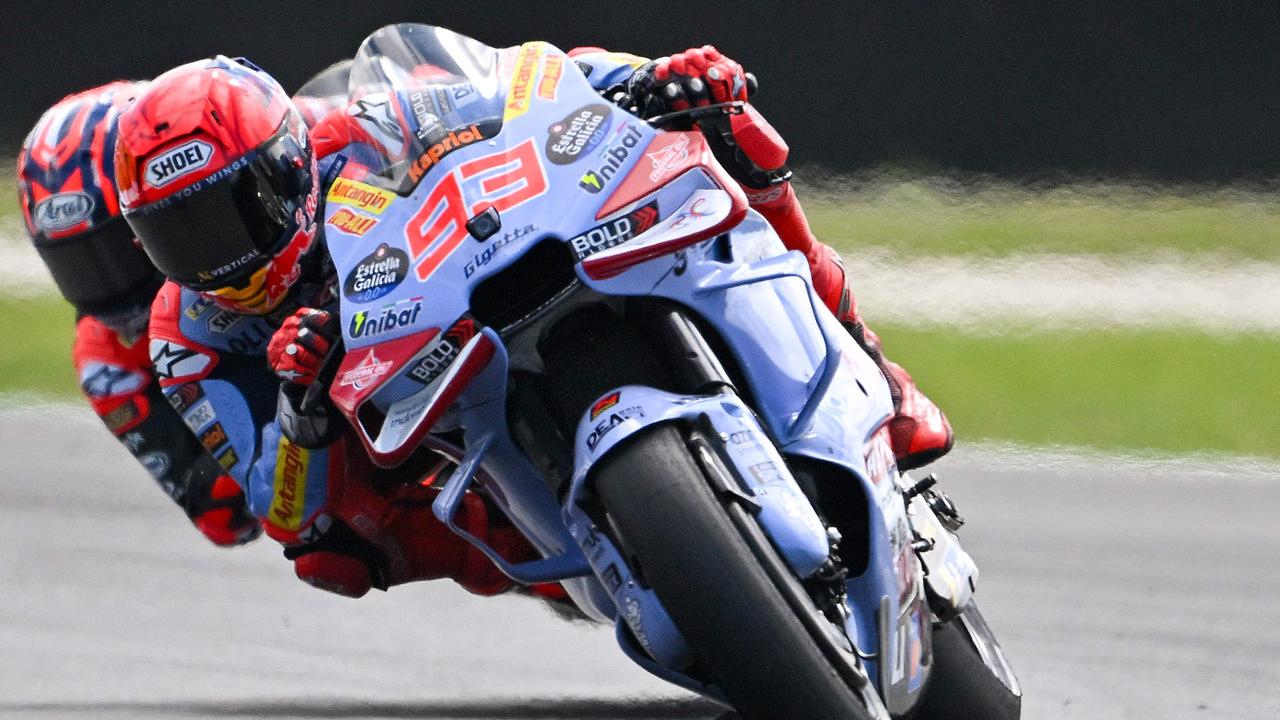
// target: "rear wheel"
[[971, 680], [726, 597]]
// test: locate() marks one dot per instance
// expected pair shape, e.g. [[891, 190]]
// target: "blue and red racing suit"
[[116, 377]]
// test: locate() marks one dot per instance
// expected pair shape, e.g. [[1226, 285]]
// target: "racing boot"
[[406, 543], [918, 431]]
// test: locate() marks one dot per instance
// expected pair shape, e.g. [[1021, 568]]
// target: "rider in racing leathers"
[[219, 180], [66, 188], [264, 263]]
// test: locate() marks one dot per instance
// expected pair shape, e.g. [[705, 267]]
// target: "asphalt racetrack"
[[1119, 592]]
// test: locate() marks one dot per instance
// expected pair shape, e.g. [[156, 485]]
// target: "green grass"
[[1141, 390], [1152, 390], [36, 355], [950, 217]]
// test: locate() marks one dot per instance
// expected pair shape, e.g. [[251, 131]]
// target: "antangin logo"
[[176, 162], [522, 81], [360, 195], [290, 485]]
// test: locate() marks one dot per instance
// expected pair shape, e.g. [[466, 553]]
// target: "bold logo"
[[360, 195], [435, 153], [578, 134], [443, 352], [176, 162], [627, 137], [668, 158], [605, 403], [615, 232], [368, 323], [63, 211], [491, 249], [522, 81], [290, 485], [369, 369], [351, 222], [552, 69], [376, 275]]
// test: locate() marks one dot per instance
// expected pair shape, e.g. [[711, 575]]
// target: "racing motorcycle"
[[578, 308]]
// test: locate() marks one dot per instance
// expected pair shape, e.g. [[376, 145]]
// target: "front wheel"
[[971, 679], [711, 578]]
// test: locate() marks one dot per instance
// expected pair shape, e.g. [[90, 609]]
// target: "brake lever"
[[697, 113]]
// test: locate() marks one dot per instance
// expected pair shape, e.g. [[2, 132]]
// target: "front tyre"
[[683, 543], [971, 680]]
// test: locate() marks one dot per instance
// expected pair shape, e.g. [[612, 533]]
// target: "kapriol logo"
[[177, 162]]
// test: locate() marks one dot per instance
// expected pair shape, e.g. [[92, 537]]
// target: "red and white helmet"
[[67, 191], [218, 180]]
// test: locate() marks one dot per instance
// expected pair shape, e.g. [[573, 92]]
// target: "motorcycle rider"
[[66, 188], [219, 180]]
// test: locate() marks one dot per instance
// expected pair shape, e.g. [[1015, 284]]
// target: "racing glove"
[[216, 506], [744, 142], [695, 77], [297, 352]]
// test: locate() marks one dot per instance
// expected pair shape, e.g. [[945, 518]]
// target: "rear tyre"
[[967, 684], [743, 632]]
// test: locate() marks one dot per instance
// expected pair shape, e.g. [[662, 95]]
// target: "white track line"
[[1047, 292], [984, 295]]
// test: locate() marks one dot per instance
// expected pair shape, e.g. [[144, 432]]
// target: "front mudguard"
[[761, 477]]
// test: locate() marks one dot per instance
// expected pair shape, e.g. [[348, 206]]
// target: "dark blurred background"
[[1162, 89]]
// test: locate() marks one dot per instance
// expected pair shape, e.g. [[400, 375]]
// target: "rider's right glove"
[[297, 353]]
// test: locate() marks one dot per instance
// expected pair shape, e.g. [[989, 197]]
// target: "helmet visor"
[[215, 233], [97, 268]]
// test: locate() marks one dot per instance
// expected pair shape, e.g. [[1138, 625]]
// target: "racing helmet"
[[67, 191], [218, 180]]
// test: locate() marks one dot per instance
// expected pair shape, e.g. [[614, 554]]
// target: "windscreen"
[[418, 92]]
